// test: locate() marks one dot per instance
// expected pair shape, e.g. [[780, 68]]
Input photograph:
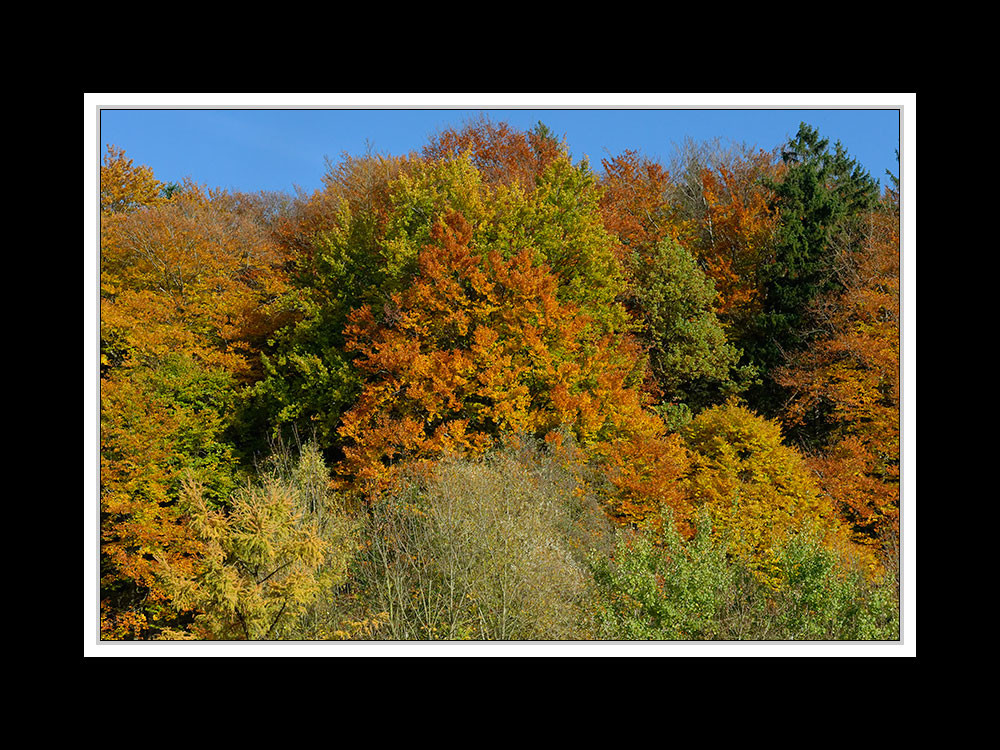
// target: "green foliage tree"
[[689, 354], [692, 589], [667, 589], [567, 230], [336, 240]]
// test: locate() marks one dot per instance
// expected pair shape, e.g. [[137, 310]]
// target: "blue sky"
[[259, 148]]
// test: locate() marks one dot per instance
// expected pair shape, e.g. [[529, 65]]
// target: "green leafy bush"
[[693, 590]]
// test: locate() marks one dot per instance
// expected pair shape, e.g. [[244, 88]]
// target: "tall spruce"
[[820, 198]]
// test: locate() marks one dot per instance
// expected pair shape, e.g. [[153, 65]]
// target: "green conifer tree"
[[819, 199]]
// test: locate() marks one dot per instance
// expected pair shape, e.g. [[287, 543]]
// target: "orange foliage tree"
[[156, 425], [187, 288], [198, 273], [125, 186], [737, 231], [848, 380], [501, 153], [722, 202], [635, 206], [357, 242], [479, 347]]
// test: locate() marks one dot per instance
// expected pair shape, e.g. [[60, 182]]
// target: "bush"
[[670, 590], [696, 590], [490, 548], [828, 597]]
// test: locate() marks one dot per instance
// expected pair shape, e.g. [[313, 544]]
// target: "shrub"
[[489, 548], [669, 590], [694, 589]]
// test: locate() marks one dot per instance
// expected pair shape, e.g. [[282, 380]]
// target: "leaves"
[[262, 561], [760, 491], [847, 385], [477, 347], [426, 322], [126, 187]]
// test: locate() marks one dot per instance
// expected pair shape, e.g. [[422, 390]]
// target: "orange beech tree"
[[848, 382], [723, 201], [125, 186], [557, 218], [501, 153], [736, 238], [198, 273], [635, 205], [479, 347], [358, 242]]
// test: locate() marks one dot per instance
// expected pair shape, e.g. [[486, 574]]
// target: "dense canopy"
[[486, 392]]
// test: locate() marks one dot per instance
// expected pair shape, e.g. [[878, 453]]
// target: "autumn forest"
[[483, 391]]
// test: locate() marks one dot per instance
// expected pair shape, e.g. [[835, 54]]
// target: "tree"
[[819, 198], [187, 287], [199, 273], [157, 425], [645, 475], [635, 205], [736, 234], [846, 385], [689, 355], [759, 491], [476, 347], [263, 560], [475, 548], [690, 246], [499, 152], [558, 220], [567, 231], [126, 187], [357, 243], [335, 242]]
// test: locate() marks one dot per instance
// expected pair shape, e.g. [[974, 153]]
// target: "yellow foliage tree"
[[759, 491], [262, 563], [126, 187]]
